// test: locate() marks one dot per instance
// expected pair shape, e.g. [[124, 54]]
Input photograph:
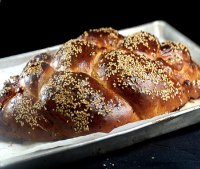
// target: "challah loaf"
[[95, 83]]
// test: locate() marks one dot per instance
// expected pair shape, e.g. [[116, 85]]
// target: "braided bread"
[[95, 83]]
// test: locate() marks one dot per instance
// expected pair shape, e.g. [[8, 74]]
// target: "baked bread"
[[95, 83]]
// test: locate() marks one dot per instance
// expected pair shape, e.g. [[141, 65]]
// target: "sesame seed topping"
[[176, 50], [196, 83], [26, 111], [105, 30], [105, 38], [135, 71], [142, 42], [176, 46], [73, 49], [34, 68], [5, 90], [75, 98]]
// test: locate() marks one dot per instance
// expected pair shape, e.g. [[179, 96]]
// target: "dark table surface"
[[31, 25]]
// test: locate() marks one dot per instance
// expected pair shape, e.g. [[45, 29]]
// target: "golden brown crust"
[[142, 43], [81, 101], [75, 55], [107, 38], [177, 56], [145, 84], [96, 83]]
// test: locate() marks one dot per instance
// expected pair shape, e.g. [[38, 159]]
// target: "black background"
[[31, 25]]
